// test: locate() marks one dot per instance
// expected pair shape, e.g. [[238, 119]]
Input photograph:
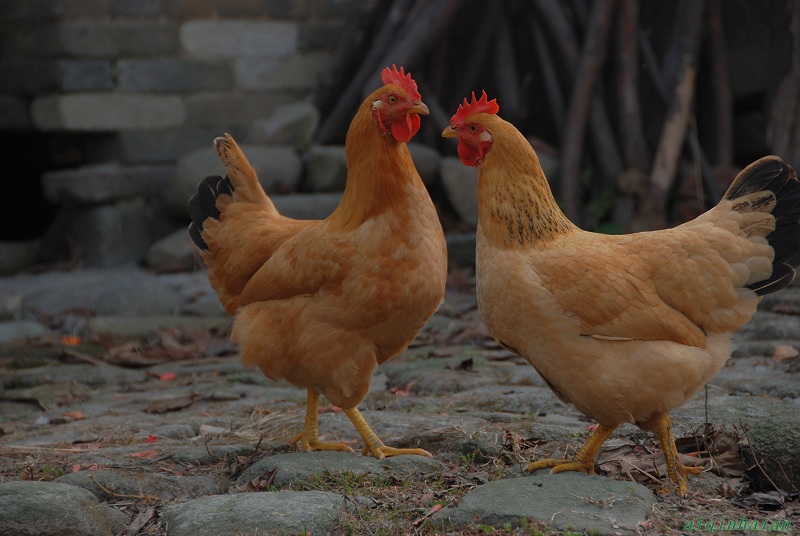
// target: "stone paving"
[[124, 410]]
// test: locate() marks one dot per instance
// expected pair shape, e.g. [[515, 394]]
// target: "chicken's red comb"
[[404, 80], [475, 107]]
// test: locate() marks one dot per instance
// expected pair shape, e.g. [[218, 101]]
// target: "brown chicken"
[[626, 327], [321, 303]]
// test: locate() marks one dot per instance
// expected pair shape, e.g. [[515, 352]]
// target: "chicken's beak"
[[419, 108], [450, 132]]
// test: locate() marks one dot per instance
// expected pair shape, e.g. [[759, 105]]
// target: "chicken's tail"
[[215, 193], [231, 218], [770, 185]]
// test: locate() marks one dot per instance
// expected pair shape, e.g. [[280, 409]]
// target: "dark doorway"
[[26, 214]]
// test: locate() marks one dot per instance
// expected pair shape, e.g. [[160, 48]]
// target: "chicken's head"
[[474, 139], [398, 105]]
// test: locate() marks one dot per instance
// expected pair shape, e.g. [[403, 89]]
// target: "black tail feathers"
[[203, 205], [773, 174]]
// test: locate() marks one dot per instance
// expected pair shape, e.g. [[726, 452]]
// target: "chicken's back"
[[628, 327]]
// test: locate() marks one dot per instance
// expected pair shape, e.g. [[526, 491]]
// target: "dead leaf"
[[76, 467], [70, 340], [146, 454], [465, 365], [224, 397], [170, 344], [514, 442], [786, 309], [731, 488], [168, 376], [173, 404], [262, 409], [771, 500], [435, 508], [76, 415], [784, 352], [140, 521], [261, 483], [400, 391], [718, 446]]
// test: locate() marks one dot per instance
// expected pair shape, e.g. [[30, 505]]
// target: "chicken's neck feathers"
[[380, 172], [516, 205]]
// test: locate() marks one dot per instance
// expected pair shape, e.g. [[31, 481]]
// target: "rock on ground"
[[106, 485], [213, 453], [54, 509], [567, 502], [275, 513], [286, 469]]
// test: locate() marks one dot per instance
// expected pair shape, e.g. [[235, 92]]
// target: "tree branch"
[[334, 127], [673, 132], [594, 53], [634, 146]]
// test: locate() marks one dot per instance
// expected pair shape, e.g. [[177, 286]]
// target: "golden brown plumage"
[[627, 327], [322, 303]]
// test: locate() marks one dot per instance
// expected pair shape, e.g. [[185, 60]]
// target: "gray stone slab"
[[566, 501], [276, 513], [93, 112], [54, 509], [238, 38]]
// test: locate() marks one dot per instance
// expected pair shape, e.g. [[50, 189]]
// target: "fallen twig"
[[755, 456], [148, 497]]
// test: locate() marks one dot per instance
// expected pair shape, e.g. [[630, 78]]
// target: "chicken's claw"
[[312, 444], [676, 471], [681, 480], [309, 435], [584, 459], [383, 451], [374, 445], [559, 466]]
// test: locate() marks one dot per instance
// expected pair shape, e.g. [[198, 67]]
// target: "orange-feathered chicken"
[[626, 327], [321, 303]]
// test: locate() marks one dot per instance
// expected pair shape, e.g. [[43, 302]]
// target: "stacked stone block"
[[146, 83]]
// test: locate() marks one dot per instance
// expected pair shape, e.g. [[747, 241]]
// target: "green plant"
[[467, 460]]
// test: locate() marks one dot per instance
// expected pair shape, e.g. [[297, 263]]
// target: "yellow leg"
[[583, 461], [374, 445], [677, 472], [309, 436]]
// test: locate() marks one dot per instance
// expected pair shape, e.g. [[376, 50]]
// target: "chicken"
[[628, 327], [321, 303]]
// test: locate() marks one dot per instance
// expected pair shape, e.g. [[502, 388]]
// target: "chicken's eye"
[[392, 99], [473, 128]]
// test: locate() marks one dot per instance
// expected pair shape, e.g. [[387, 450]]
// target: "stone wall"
[[108, 110], [135, 86]]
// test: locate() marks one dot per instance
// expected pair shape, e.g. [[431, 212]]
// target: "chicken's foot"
[[583, 461], [374, 445], [677, 472], [309, 436]]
